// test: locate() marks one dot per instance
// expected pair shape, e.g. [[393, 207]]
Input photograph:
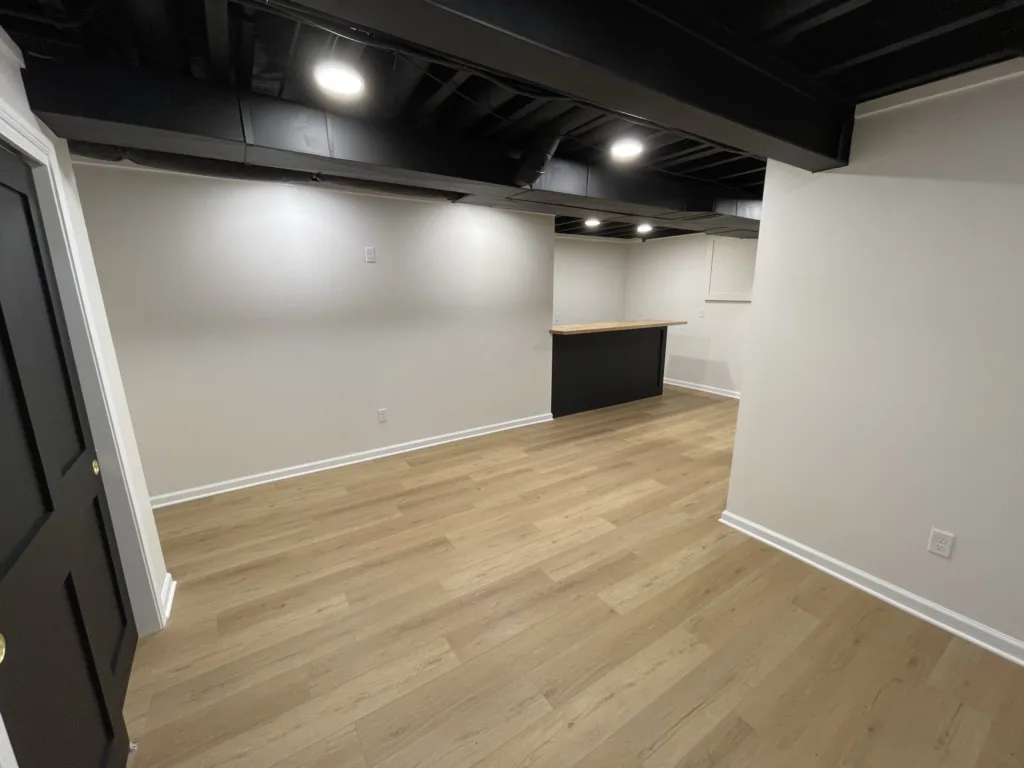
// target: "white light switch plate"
[[371, 254]]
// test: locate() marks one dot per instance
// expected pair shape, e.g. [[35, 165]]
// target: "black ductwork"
[[154, 119], [534, 159]]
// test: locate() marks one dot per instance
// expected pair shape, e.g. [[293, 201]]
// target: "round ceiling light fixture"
[[644, 228], [339, 79], [627, 149], [592, 223]]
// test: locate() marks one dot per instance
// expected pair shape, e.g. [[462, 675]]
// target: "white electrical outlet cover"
[[371, 254], [941, 543]]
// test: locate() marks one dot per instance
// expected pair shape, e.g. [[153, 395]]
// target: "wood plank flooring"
[[558, 595]]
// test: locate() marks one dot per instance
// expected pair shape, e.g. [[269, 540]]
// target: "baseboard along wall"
[[975, 632], [703, 388], [224, 486], [167, 598]]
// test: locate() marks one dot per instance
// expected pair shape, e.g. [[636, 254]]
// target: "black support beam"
[[730, 94]]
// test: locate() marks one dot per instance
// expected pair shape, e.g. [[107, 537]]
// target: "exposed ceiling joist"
[[178, 117], [713, 164], [739, 174], [771, 16], [734, 95], [218, 39], [921, 37], [246, 52], [514, 116], [818, 14], [155, 36], [483, 97], [683, 156], [457, 78]]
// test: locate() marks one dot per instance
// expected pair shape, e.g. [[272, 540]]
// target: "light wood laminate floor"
[[558, 595]]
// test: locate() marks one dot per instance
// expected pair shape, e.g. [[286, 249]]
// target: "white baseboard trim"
[[988, 638], [703, 388], [167, 598], [190, 494]]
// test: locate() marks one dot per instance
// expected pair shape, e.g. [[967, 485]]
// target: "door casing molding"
[[82, 304]]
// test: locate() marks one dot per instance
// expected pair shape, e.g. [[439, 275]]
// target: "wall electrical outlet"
[[371, 254], [941, 543], [382, 415]]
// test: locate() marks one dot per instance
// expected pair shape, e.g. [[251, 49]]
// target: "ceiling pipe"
[[534, 160]]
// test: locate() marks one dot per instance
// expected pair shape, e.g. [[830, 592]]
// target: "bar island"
[[595, 365]]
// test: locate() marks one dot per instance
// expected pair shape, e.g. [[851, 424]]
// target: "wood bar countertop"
[[624, 325]]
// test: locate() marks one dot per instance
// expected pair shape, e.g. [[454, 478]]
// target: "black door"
[[68, 632]]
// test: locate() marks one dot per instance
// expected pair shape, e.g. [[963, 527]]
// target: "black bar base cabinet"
[[611, 364]]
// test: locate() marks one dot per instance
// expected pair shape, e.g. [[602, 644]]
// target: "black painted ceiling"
[[852, 49]]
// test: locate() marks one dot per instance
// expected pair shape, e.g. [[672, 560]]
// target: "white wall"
[[884, 385], [669, 279], [590, 279], [253, 337]]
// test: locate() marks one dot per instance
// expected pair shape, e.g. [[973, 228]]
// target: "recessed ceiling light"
[[592, 223], [643, 229], [626, 149], [339, 79]]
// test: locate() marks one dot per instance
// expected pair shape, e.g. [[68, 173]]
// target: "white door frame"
[[7, 758], [150, 587]]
